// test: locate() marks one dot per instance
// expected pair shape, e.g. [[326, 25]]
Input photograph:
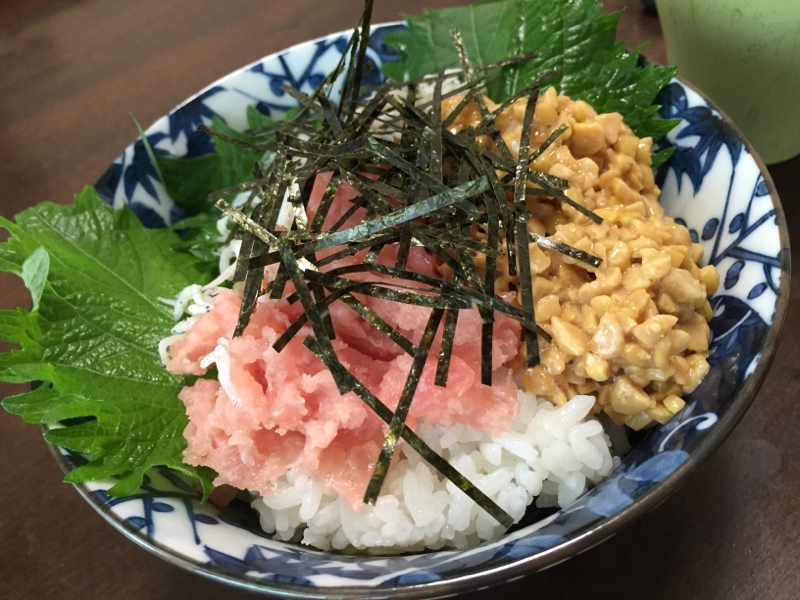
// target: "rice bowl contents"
[[419, 507], [627, 332]]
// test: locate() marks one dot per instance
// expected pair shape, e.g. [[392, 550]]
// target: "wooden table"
[[72, 70]]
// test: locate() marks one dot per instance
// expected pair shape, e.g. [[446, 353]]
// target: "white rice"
[[551, 455]]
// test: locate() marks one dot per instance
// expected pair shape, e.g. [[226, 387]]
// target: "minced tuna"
[[268, 412]]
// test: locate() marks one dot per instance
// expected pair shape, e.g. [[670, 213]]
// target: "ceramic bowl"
[[714, 184]]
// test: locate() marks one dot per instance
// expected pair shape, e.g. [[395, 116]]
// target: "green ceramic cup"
[[745, 55]]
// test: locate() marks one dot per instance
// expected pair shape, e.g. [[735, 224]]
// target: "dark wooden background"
[[72, 70]]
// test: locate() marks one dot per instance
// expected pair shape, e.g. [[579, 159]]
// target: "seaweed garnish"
[[530, 89], [252, 277], [566, 250], [521, 212], [351, 91], [490, 268], [446, 347], [537, 152], [477, 96], [413, 183], [403, 406]]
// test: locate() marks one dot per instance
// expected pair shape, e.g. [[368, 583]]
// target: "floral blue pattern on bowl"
[[713, 184]]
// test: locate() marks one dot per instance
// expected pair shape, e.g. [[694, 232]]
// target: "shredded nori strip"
[[403, 407], [354, 88], [499, 197], [384, 289], [326, 83], [237, 189], [358, 38], [413, 211], [418, 185], [490, 268], [525, 281], [246, 222], [235, 140], [454, 114], [446, 348], [551, 184], [513, 60], [372, 242], [309, 306], [403, 247], [357, 204], [529, 89], [252, 278], [325, 203], [352, 148], [246, 249], [455, 292], [361, 123], [371, 317], [405, 166], [469, 74], [546, 144], [385, 189], [436, 127], [325, 108], [566, 250], [345, 295], [293, 329], [444, 237]]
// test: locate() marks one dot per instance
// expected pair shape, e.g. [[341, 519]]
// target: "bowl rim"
[[595, 535]]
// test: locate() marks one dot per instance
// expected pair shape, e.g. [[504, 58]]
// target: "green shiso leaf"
[[147, 147], [257, 120], [34, 406], [662, 156], [570, 34], [201, 238], [34, 274], [189, 181], [95, 335]]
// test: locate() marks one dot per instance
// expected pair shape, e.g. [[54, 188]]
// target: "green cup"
[[745, 56]]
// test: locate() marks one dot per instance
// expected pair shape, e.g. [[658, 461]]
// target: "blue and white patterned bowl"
[[714, 183]]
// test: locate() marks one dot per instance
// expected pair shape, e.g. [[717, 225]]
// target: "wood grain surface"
[[72, 70]]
